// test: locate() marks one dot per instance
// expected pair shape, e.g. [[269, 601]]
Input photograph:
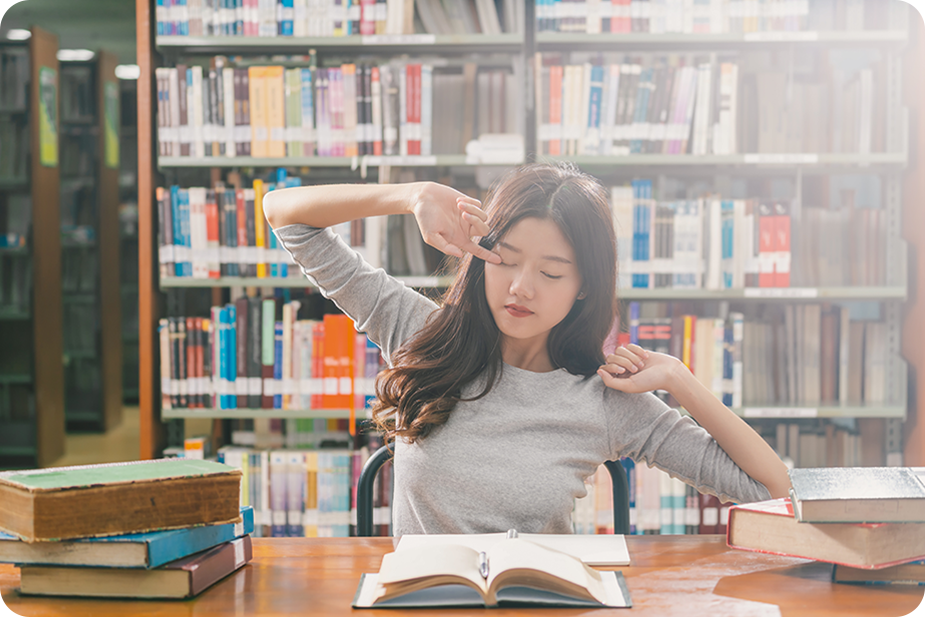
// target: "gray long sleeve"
[[519, 456]]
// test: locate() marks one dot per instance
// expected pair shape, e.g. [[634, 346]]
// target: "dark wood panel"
[[110, 294], [47, 308], [685, 576]]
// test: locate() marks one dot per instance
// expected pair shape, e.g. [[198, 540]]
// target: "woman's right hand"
[[449, 220]]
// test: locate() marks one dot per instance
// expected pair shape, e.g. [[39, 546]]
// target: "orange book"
[[687, 343], [260, 237], [338, 362], [257, 93], [555, 108], [276, 111], [212, 241], [317, 360]]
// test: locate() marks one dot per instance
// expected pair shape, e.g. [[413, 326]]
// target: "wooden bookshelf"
[[891, 163], [35, 436]]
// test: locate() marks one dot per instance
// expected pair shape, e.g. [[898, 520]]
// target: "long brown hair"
[[460, 341]]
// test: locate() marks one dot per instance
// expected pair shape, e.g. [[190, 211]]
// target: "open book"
[[514, 572]]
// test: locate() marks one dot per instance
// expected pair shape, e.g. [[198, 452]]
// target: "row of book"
[[824, 444], [308, 493], [395, 109], [797, 355], [244, 357], [134, 547], [335, 18], [15, 76], [707, 16], [680, 105], [659, 504]]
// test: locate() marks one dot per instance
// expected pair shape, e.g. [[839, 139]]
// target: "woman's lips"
[[517, 311]]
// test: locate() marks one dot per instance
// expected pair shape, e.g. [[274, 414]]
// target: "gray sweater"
[[518, 457]]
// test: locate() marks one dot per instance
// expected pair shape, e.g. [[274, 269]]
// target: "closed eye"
[[551, 276]]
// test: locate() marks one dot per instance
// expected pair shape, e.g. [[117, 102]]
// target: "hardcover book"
[[858, 494], [117, 498], [912, 573], [184, 578], [137, 550], [514, 572], [770, 527]]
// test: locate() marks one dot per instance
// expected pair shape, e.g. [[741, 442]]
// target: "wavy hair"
[[461, 341]]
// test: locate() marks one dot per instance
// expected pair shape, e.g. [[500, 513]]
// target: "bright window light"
[[18, 34], [128, 71], [75, 55]]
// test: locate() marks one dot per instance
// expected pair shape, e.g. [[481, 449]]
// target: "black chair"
[[621, 493]]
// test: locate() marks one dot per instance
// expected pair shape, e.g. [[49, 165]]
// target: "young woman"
[[501, 401]]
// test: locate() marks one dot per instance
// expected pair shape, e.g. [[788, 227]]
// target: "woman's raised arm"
[[448, 219]]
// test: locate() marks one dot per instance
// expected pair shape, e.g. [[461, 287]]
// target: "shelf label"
[[764, 37], [782, 159], [781, 412], [399, 39], [781, 292]]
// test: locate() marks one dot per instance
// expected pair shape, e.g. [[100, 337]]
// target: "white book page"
[[593, 550]]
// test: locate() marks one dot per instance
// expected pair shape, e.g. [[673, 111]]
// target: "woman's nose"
[[522, 285]]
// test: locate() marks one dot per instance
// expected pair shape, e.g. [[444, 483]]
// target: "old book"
[[513, 572], [912, 573], [117, 498], [858, 494], [184, 578], [135, 550], [770, 527]]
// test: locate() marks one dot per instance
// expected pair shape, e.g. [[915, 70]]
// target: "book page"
[[425, 562], [602, 550], [521, 562]]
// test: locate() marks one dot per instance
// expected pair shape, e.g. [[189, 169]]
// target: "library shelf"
[[292, 281], [246, 414], [768, 294], [869, 410], [355, 162], [353, 45], [741, 163], [553, 41]]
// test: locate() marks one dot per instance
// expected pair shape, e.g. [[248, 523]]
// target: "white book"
[[622, 203], [198, 234], [228, 104], [194, 106], [403, 124], [702, 110], [488, 16], [350, 134], [738, 333], [609, 108], [584, 106], [713, 243]]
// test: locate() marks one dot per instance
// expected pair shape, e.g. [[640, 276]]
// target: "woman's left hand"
[[633, 369]]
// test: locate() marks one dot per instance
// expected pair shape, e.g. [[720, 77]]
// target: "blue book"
[[308, 112], [136, 550], [286, 25], [727, 363], [629, 466], [231, 362], [594, 103], [634, 323], [278, 363], [727, 231], [642, 106]]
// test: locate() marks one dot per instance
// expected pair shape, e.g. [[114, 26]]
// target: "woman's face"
[[535, 286]]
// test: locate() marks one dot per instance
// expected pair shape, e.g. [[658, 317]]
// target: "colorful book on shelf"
[[116, 498], [859, 494], [139, 550], [183, 578], [770, 527]]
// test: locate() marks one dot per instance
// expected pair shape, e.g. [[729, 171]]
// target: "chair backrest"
[[621, 499]]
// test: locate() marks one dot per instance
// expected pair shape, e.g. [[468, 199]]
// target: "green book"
[[101, 500]]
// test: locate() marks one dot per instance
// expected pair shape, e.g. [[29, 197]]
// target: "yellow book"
[[260, 238], [257, 93], [276, 111], [311, 495]]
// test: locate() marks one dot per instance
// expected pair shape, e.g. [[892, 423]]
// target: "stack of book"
[[869, 521], [166, 528]]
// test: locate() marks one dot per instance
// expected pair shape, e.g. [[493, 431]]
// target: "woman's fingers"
[[480, 252], [627, 358], [477, 227], [472, 206], [440, 243]]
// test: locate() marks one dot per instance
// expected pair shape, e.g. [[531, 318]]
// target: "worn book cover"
[[858, 494], [99, 500], [770, 527], [135, 550]]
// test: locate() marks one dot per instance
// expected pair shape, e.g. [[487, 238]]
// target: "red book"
[[183, 578], [192, 375], [414, 145], [770, 527], [766, 243], [338, 362], [782, 245], [376, 90], [367, 17]]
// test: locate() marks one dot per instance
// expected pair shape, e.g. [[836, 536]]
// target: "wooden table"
[[670, 575]]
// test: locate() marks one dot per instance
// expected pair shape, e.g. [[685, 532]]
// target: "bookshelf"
[[90, 126], [128, 237], [32, 418], [800, 169]]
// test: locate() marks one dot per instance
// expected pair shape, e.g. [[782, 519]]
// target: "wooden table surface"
[[669, 575]]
